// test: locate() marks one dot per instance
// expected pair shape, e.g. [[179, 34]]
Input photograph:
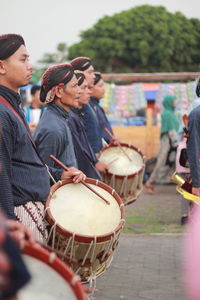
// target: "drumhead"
[[79, 210], [45, 284], [121, 164]]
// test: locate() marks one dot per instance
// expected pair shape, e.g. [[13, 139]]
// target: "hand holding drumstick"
[[82, 181], [112, 136]]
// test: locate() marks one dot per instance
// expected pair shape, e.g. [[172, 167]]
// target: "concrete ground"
[[147, 266]]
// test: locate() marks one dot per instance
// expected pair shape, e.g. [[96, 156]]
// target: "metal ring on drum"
[[83, 227], [123, 175], [51, 278]]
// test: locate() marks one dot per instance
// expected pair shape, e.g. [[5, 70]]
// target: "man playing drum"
[[84, 65], [97, 94], [86, 158], [24, 173], [59, 91]]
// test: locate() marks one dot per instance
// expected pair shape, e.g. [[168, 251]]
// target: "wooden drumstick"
[[82, 181], [111, 162], [110, 134]]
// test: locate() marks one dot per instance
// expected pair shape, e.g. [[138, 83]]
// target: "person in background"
[[198, 88], [84, 65], [86, 158], [191, 251], [97, 94], [165, 164], [34, 111], [182, 167]]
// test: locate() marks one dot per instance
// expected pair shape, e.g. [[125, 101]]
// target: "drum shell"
[[130, 186]]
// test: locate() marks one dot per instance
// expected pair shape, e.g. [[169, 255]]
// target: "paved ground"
[[143, 268], [147, 266]]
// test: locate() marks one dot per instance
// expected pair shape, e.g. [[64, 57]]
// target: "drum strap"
[[9, 106]]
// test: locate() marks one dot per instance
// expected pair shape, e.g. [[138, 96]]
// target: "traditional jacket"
[[91, 127], [53, 136], [85, 156], [23, 176], [102, 119], [193, 146]]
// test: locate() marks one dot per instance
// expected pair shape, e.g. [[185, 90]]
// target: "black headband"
[[98, 77], [81, 63], [80, 77], [9, 44], [55, 76]]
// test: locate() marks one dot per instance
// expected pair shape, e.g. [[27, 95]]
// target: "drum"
[[51, 278], [83, 227], [125, 176]]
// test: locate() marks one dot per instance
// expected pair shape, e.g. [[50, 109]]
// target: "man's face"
[[98, 90], [16, 70], [89, 75], [70, 94], [85, 93]]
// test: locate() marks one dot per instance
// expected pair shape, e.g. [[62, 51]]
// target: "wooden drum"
[[83, 227], [125, 176], [51, 279]]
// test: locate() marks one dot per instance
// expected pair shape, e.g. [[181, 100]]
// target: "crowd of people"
[[65, 119]]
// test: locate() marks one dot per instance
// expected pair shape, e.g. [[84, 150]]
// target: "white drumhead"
[[80, 211], [45, 284], [122, 165]]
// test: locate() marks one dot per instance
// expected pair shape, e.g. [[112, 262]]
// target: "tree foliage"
[[142, 39], [58, 57]]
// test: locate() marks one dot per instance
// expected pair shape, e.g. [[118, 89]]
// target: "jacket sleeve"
[[6, 149], [193, 147]]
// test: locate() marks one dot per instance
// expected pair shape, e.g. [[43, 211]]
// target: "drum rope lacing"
[[109, 246], [92, 284]]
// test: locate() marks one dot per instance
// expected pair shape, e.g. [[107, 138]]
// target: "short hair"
[[35, 88], [81, 63], [9, 44], [53, 76], [98, 77]]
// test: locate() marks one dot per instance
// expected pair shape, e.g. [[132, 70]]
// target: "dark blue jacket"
[[102, 119], [91, 127], [23, 177], [53, 136], [193, 146], [85, 156]]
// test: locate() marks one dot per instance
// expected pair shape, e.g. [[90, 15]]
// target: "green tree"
[[59, 56], [143, 39]]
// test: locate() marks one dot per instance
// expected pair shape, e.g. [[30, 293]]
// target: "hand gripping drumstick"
[[82, 181], [110, 134]]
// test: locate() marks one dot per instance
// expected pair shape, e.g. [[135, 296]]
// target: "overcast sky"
[[45, 23]]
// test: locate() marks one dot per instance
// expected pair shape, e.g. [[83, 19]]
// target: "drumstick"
[[111, 162], [112, 136], [82, 181]]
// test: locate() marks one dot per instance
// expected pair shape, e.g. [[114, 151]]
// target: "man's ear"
[[58, 92], [2, 67]]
